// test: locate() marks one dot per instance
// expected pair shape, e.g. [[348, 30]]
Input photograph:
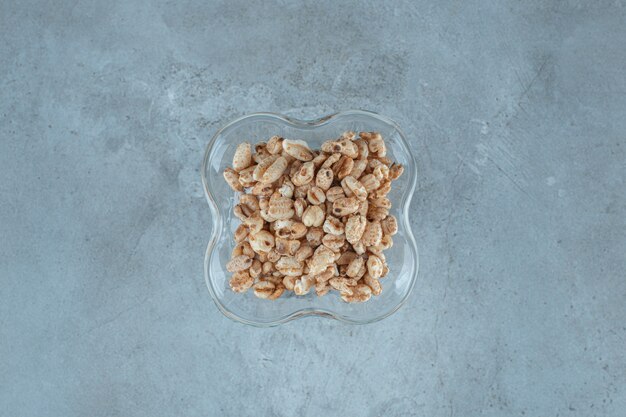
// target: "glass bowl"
[[402, 258]]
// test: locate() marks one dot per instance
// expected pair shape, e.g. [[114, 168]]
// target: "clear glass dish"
[[402, 258]]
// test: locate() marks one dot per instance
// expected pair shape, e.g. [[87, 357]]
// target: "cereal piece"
[[343, 146], [333, 226], [384, 160], [256, 268], [242, 248], [245, 177], [355, 266], [316, 195], [331, 160], [262, 166], [289, 282], [319, 160], [299, 206], [266, 216], [298, 149], [373, 283], [376, 213], [329, 208], [239, 263], [282, 228], [288, 265], [343, 167], [346, 258], [288, 157], [275, 145], [381, 202], [389, 225], [304, 174], [374, 266], [363, 208], [281, 207], [376, 251], [242, 212], [242, 157], [255, 222], [352, 186], [262, 241], [358, 168], [334, 193], [273, 256], [359, 247], [241, 281], [287, 246], [355, 226], [261, 256], [344, 206], [363, 148], [386, 242], [294, 168], [261, 189], [241, 232], [275, 171], [261, 152], [343, 285], [303, 253], [303, 285], [373, 234], [373, 163], [280, 289], [370, 182], [322, 288], [267, 268], [275, 278], [359, 294], [314, 236], [313, 216], [264, 202], [328, 273], [264, 289], [297, 230], [362, 271], [381, 172], [395, 171], [302, 191], [376, 143], [382, 191], [232, 179], [348, 134], [237, 250], [250, 201], [385, 270], [322, 257], [286, 189], [333, 242], [324, 178]]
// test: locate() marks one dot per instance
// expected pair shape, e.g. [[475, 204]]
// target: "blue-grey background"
[[516, 111]]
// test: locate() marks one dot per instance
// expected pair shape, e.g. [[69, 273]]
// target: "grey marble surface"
[[516, 112]]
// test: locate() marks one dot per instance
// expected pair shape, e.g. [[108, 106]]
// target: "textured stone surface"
[[517, 113]]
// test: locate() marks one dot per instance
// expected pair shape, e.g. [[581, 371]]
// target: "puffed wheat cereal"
[[312, 219]]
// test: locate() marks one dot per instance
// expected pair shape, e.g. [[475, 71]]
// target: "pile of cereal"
[[312, 218]]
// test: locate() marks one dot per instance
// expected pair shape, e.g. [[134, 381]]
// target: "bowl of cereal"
[[310, 218]]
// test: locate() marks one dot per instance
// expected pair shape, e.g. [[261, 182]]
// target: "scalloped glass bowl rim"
[[215, 231]]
